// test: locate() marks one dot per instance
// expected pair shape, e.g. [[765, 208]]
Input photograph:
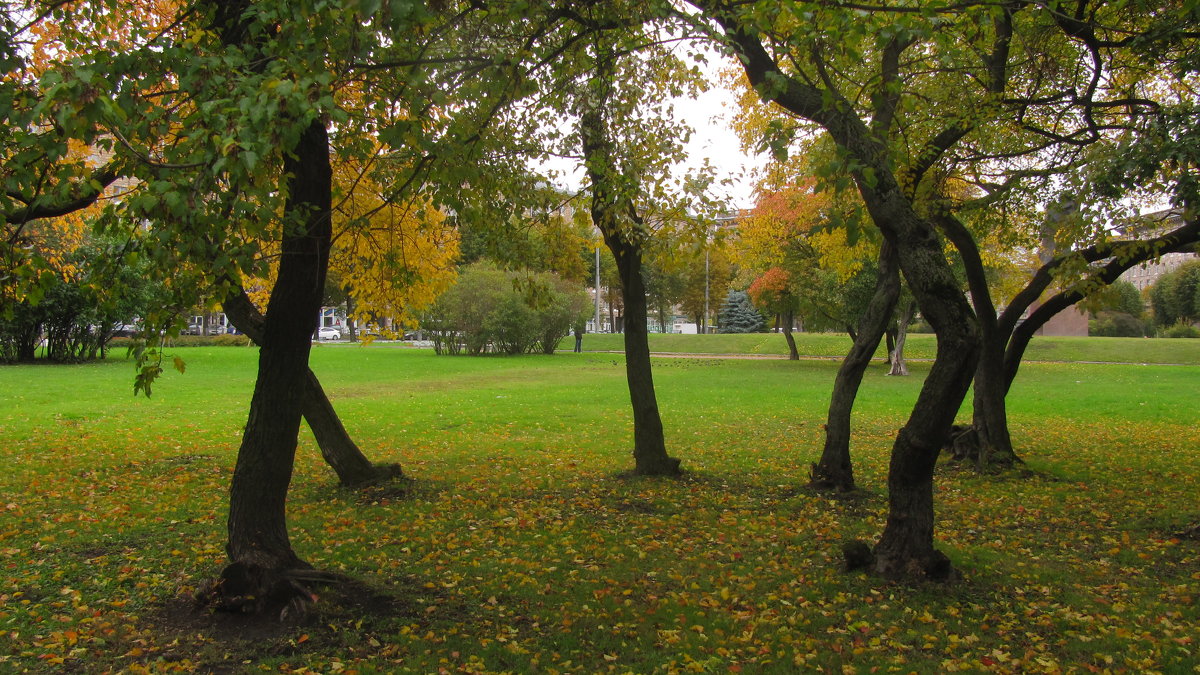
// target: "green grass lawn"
[[919, 346], [518, 549]]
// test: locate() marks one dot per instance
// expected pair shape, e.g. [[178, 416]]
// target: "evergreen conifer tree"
[[738, 315]]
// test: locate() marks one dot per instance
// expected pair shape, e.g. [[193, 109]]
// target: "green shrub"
[[1116, 324], [489, 309], [190, 341], [511, 326], [230, 340], [1181, 330]]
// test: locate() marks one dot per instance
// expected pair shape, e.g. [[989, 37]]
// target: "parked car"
[[329, 333]]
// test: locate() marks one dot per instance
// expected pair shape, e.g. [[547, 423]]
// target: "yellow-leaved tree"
[[391, 259]]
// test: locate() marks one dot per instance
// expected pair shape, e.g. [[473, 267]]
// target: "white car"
[[329, 333]]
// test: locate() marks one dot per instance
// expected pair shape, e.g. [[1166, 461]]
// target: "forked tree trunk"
[[789, 318], [337, 447], [899, 365], [834, 470], [258, 537]]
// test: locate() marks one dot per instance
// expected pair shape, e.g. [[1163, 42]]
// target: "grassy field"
[[835, 345], [518, 549]]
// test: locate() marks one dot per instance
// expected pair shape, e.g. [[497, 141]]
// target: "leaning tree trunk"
[[258, 546], [899, 365], [340, 451], [834, 470], [615, 214], [337, 448], [905, 549], [789, 318]]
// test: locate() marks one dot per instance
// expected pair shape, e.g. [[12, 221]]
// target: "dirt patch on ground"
[[227, 642]]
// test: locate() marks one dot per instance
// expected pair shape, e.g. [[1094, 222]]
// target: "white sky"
[[710, 115]]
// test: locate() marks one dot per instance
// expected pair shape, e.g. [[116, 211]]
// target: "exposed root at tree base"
[[829, 481], [932, 567], [1192, 532], [964, 445], [250, 589], [858, 555], [223, 642]]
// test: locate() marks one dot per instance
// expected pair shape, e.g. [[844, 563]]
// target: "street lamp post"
[[596, 323], [704, 320]]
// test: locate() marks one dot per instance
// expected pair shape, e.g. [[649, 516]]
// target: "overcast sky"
[[709, 115]]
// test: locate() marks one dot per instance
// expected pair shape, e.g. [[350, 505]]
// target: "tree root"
[[858, 555], [668, 466], [932, 567], [250, 589], [963, 444]]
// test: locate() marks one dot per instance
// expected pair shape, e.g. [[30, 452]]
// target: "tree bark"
[[258, 538], [834, 470], [987, 443], [351, 324], [338, 449], [789, 318]]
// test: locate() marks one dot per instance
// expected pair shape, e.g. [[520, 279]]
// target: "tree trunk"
[[789, 318], [351, 324], [337, 447], [905, 549], [649, 445], [988, 441], [989, 444], [258, 538], [834, 470], [899, 366]]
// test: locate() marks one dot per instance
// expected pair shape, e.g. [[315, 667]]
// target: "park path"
[[816, 357]]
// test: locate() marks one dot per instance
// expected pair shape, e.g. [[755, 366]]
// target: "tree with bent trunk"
[[614, 211], [887, 180]]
